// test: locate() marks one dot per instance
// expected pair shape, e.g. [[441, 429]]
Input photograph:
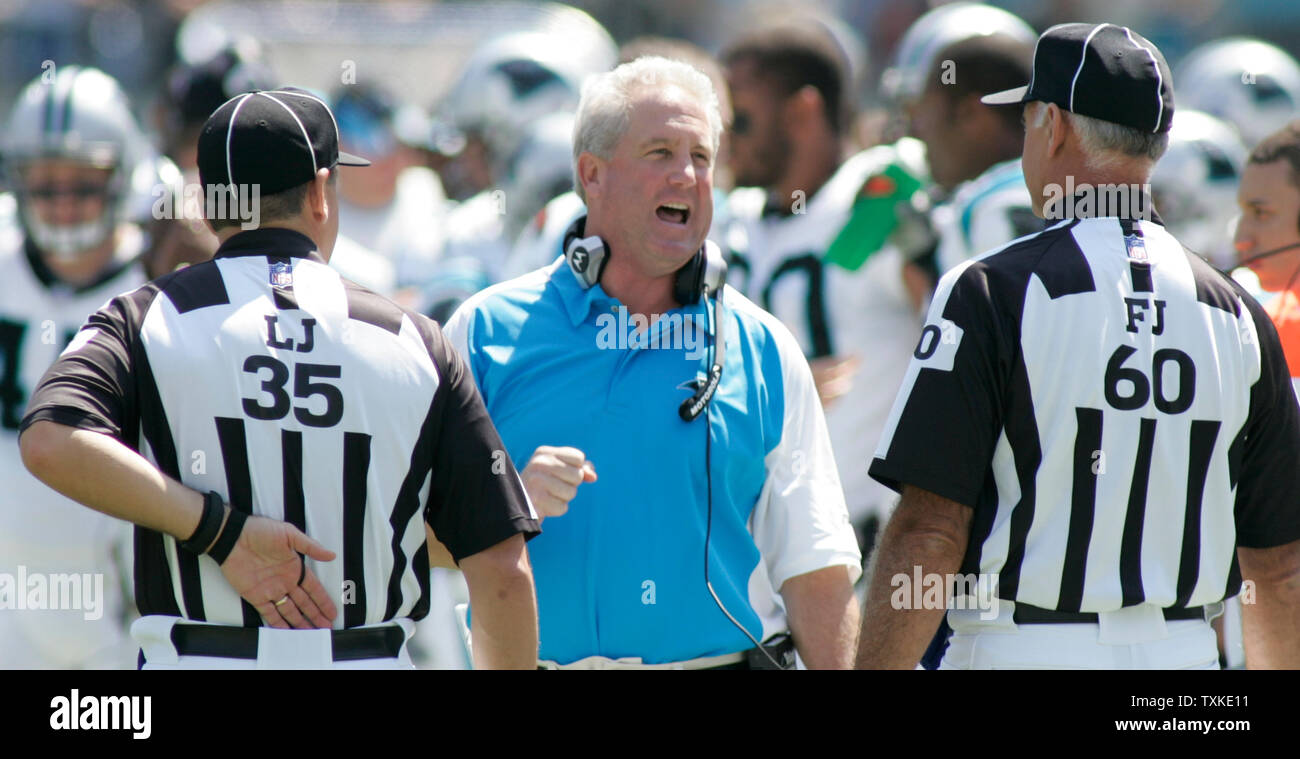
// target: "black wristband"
[[226, 543], [209, 524]]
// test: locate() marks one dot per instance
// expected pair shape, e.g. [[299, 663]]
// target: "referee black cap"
[[274, 139], [1105, 71]]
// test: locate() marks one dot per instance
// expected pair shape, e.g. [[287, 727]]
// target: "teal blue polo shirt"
[[621, 574]]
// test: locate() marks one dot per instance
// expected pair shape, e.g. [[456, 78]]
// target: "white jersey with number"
[[863, 314], [409, 231], [1117, 414], [45, 538]]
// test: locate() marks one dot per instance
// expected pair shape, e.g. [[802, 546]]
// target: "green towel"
[[874, 216]]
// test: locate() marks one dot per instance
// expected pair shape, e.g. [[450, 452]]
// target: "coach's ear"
[[591, 173]]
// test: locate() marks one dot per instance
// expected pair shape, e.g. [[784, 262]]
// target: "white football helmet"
[[1195, 184], [937, 29], [540, 169], [515, 79], [1247, 82], [78, 114]]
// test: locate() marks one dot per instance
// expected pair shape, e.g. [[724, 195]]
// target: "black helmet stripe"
[[47, 120], [65, 123]]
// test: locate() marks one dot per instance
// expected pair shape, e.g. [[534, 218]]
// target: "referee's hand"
[[264, 568], [552, 478]]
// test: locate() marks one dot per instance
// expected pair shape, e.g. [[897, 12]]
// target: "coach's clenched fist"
[[552, 478]]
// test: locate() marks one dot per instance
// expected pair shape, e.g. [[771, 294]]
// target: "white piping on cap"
[[1082, 57], [310, 150], [1160, 80], [230, 128], [338, 138]]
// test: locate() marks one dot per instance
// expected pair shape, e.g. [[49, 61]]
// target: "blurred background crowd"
[[854, 172]]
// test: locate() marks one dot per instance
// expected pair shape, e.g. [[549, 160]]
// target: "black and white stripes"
[[1092, 410], [298, 396]]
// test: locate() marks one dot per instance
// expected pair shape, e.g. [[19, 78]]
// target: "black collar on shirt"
[[46, 276], [270, 241]]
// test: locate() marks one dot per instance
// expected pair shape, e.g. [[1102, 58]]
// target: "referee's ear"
[[318, 197], [1057, 128]]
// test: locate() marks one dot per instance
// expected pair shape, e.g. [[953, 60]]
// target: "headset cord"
[[708, 478], [1287, 289]]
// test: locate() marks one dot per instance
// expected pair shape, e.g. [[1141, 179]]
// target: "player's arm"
[[102, 473], [71, 440], [823, 615], [500, 582], [935, 451], [439, 555], [801, 524], [925, 531], [98, 471], [480, 516], [1266, 511], [1270, 623]]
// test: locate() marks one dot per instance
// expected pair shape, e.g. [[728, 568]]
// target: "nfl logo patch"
[[281, 274], [1137, 250]]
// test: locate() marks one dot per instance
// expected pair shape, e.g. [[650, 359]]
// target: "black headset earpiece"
[[706, 271]]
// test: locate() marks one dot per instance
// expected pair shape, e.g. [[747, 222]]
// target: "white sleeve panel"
[[800, 523]]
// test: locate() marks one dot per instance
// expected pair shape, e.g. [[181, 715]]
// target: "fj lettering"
[[1136, 309]]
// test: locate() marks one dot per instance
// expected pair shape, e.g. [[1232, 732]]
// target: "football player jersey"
[[409, 231], [45, 537], [862, 313], [985, 213]]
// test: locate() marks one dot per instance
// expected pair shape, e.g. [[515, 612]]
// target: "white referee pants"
[[276, 649], [1136, 638]]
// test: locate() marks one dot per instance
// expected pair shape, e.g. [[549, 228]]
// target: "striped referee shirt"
[[1118, 415], [299, 396]]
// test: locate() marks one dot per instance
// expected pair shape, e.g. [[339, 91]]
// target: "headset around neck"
[[704, 274]]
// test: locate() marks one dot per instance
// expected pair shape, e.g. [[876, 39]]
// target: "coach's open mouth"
[[674, 213]]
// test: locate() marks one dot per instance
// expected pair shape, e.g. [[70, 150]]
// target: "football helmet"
[[79, 115], [937, 29], [1247, 82], [541, 169], [1195, 184], [514, 80]]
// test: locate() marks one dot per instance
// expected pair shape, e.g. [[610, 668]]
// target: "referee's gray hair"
[[606, 105], [1106, 144]]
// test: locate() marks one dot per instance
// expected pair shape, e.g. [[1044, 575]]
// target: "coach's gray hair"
[[606, 105], [1106, 144]]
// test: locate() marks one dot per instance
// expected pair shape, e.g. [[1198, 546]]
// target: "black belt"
[[780, 647], [1032, 615], [241, 642]]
